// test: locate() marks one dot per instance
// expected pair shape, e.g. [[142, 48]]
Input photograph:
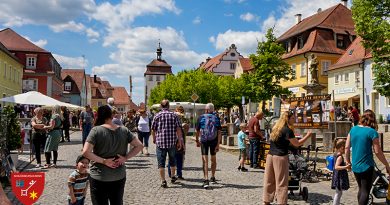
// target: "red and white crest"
[[28, 186]]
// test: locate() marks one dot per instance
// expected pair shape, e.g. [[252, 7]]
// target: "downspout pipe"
[[307, 68], [361, 65]]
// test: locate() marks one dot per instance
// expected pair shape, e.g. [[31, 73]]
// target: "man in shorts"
[[209, 129]]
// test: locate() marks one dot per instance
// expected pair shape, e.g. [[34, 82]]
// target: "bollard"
[[328, 140], [230, 141], [381, 140]]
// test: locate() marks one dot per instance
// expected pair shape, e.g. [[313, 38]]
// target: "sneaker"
[[38, 165], [46, 166], [243, 169], [239, 168], [180, 177], [164, 184], [212, 180], [53, 165], [256, 167], [173, 179], [206, 184]]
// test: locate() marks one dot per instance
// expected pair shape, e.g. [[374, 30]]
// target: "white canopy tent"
[[37, 98]]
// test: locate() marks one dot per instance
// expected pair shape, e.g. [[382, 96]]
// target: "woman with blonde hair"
[[276, 169], [53, 137]]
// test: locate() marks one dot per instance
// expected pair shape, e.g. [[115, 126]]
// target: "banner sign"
[[311, 112]]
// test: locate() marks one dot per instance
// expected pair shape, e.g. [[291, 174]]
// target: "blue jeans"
[[86, 129], [78, 202], [162, 156], [254, 150], [179, 164], [144, 138]]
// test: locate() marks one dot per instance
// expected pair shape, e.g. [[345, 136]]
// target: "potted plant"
[[10, 132]]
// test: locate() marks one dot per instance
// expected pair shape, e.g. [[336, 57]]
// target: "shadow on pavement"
[[314, 198], [197, 169]]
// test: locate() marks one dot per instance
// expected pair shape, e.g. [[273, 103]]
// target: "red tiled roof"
[[120, 95], [355, 54], [337, 18], [158, 67], [319, 40], [15, 42], [246, 64], [212, 62], [77, 75]]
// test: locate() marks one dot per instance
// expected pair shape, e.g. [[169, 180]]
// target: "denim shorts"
[[242, 151], [162, 156]]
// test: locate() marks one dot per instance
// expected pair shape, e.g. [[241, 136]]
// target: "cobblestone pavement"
[[143, 184]]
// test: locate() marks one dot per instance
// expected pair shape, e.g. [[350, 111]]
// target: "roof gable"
[[337, 18], [15, 42], [121, 96], [246, 64], [78, 75]]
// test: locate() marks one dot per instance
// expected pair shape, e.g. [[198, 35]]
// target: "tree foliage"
[[269, 70], [372, 23]]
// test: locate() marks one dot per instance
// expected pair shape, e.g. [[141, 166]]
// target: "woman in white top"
[[143, 125]]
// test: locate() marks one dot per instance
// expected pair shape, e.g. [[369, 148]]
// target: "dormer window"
[[300, 42], [68, 86], [288, 46], [340, 41], [232, 54], [31, 61]]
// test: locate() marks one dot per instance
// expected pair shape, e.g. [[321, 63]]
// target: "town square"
[[188, 102]]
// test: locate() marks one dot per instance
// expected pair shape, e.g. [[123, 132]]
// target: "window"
[[232, 66], [5, 70], [288, 46], [158, 78], [325, 67], [388, 102], [340, 41], [294, 69], [30, 84], [15, 73], [303, 69], [232, 54], [336, 79], [150, 77], [300, 42], [346, 77], [31, 62], [68, 86], [10, 73]]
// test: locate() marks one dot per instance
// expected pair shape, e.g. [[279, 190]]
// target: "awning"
[[345, 97]]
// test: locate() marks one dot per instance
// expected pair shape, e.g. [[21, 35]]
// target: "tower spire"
[[159, 50]]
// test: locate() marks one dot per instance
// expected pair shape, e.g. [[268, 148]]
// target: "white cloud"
[[69, 26], [249, 17], [67, 62], [197, 20], [123, 14], [40, 43], [246, 41]]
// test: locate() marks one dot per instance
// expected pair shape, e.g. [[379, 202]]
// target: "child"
[[340, 179], [242, 138], [78, 182]]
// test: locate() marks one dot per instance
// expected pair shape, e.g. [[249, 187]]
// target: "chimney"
[[298, 18], [94, 79], [207, 60], [319, 10], [345, 2]]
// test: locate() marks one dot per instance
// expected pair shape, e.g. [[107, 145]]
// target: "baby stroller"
[[297, 168], [379, 186]]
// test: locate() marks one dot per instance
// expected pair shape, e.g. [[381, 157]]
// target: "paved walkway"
[[143, 184]]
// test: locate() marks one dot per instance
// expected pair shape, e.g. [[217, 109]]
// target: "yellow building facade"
[[11, 74]]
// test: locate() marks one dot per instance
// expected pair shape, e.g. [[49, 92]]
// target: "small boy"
[[78, 182], [242, 138]]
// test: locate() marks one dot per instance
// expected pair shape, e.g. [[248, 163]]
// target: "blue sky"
[[119, 37]]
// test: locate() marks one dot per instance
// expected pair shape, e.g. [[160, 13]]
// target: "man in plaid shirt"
[[167, 134]]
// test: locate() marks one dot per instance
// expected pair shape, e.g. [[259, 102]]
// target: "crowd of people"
[[107, 135]]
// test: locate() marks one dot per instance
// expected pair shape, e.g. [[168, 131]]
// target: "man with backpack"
[[209, 130]]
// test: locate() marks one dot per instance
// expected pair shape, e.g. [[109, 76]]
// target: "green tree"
[[269, 70], [372, 23]]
